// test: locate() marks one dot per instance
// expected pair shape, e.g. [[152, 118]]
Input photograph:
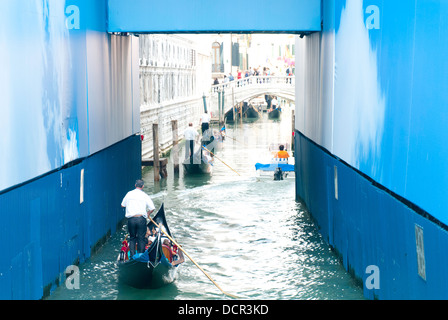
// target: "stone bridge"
[[222, 97]]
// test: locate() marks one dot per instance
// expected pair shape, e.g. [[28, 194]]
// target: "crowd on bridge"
[[252, 72]]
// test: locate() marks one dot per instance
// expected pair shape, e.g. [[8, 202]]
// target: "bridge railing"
[[236, 91], [254, 81]]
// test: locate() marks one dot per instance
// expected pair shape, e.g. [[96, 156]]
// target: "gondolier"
[[205, 120], [138, 206], [190, 136], [274, 103]]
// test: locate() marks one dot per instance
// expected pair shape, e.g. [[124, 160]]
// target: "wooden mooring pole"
[[233, 105], [175, 146], [219, 107], [159, 164], [223, 120], [293, 120], [155, 136], [240, 111]]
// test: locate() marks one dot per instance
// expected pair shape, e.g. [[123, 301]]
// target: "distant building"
[[174, 75], [233, 52]]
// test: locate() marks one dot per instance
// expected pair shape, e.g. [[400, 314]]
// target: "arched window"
[[217, 58]]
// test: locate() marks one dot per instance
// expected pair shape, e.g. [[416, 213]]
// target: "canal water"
[[250, 236]]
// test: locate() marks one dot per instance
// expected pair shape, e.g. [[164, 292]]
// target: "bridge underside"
[[204, 16], [224, 97], [287, 95]]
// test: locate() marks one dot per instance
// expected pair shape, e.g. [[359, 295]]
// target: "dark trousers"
[[204, 126], [137, 232], [189, 150]]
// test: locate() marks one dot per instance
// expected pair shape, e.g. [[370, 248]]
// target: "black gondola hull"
[[197, 164], [197, 168], [274, 114], [250, 112], [155, 271], [143, 275]]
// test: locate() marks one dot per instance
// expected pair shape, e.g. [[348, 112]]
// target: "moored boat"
[[274, 114], [155, 267], [249, 111], [276, 168]]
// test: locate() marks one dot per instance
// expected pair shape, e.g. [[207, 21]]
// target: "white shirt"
[[205, 118], [190, 134], [137, 202]]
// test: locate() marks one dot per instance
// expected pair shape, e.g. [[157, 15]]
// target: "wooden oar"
[[220, 160], [169, 237], [237, 140]]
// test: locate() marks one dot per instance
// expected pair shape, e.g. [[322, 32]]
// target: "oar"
[[237, 140], [220, 160], [169, 237]]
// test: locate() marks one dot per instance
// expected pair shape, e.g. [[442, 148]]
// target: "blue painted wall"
[[214, 16], [392, 82], [45, 227], [69, 88], [367, 225], [375, 94], [400, 89], [372, 102], [69, 102]]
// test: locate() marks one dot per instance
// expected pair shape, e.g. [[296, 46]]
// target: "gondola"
[[198, 163], [202, 161], [274, 114], [151, 269], [249, 111], [229, 115]]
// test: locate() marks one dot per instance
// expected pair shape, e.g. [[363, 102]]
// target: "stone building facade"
[[175, 73]]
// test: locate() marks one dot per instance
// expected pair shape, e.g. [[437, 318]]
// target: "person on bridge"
[[138, 206], [204, 122], [190, 136]]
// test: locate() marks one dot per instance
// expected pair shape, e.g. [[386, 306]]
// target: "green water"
[[250, 236]]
